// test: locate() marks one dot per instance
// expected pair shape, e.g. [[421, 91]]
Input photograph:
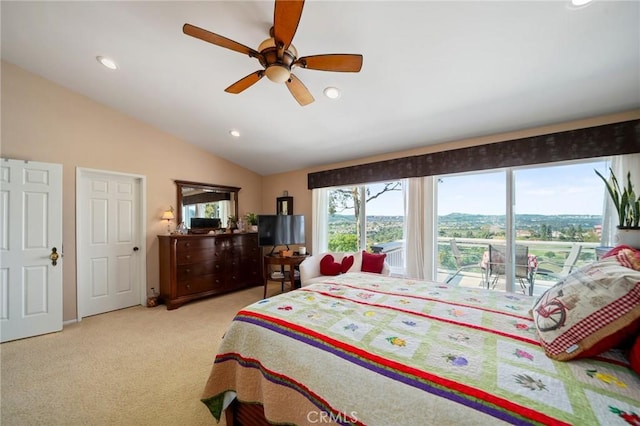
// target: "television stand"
[[291, 261]]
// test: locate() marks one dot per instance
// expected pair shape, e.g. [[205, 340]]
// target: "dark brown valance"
[[205, 197], [591, 142]]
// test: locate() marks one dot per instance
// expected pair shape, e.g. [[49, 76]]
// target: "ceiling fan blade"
[[245, 82], [335, 62], [286, 17], [299, 91], [218, 40]]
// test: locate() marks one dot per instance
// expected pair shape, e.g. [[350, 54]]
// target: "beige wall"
[[296, 182], [45, 122]]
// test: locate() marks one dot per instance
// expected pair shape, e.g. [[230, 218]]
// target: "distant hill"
[[522, 220]]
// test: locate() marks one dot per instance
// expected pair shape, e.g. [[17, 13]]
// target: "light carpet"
[[136, 366]]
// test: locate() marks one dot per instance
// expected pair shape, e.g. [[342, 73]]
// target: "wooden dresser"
[[196, 266]]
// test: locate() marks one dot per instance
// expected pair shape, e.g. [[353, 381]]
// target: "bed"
[[368, 349]]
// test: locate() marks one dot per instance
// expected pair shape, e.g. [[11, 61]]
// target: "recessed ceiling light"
[[234, 133], [580, 3], [332, 92], [107, 62]]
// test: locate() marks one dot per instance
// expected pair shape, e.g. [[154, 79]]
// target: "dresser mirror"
[[204, 207]]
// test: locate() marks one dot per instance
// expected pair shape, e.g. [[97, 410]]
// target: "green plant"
[[252, 218], [625, 200]]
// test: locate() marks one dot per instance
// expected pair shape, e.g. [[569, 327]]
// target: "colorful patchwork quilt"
[[369, 349]]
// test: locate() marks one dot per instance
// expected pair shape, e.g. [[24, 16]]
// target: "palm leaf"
[[625, 200], [613, 190]]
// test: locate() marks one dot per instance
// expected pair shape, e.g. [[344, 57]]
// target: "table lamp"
[[168, 216]]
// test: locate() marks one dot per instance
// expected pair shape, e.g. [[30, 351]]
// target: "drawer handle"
[[188, 286]]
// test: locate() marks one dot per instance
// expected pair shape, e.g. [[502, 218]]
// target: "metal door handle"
[[54, 256], [136, 249]]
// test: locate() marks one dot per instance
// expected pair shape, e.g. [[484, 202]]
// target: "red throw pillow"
[[328, 266], [347, 262], [634, 355], [373, 262]]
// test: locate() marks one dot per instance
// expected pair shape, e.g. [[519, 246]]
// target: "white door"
[[110, 236], [30, 230]]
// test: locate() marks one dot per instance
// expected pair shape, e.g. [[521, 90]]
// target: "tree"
[[343, 243], [350, 198]]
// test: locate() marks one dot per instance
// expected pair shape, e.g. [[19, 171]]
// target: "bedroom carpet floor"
[[136, 366]]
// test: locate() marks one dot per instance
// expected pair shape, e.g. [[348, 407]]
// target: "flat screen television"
[[280, 230], [201, 222]]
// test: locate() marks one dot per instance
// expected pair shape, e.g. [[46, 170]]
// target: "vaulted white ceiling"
[[432, 72]]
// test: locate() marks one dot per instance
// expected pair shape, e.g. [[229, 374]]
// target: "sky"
[[565, 189]]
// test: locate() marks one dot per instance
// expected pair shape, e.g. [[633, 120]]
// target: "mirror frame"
[[220, 188]]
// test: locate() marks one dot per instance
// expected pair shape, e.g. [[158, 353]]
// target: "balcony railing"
[[551, 254]]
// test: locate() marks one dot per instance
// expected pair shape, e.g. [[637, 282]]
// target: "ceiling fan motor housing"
[[277, 69]]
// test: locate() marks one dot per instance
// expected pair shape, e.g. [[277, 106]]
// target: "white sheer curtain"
[[419, 228], [225, 211], [621, 165], [320, 220]]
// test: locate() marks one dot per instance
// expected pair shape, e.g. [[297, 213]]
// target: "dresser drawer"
[[248, 240], [190, 256], [191, 271], [199, 244], [198, 284]]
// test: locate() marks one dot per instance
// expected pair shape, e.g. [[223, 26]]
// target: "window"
[[367, 217], [556, 211]]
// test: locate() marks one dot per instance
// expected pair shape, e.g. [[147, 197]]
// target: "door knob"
[[54, 256], [136, 249]]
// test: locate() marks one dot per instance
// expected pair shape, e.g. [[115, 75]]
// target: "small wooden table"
[[291, 261]]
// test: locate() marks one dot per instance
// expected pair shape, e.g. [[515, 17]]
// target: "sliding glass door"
[[471, 214], [519, 228]]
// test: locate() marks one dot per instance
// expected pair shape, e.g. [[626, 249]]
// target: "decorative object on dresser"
[[168, 216], [252, 221], [196, 266]]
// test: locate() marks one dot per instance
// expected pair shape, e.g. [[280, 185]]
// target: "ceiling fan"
[[278, 56]]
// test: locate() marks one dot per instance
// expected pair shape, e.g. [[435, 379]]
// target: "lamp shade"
[[168, 215]]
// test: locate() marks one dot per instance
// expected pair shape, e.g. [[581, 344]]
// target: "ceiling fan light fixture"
[[277, 73]]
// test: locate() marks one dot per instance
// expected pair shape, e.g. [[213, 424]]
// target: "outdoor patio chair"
[[566, 268], [496, 267], [460, 263]]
